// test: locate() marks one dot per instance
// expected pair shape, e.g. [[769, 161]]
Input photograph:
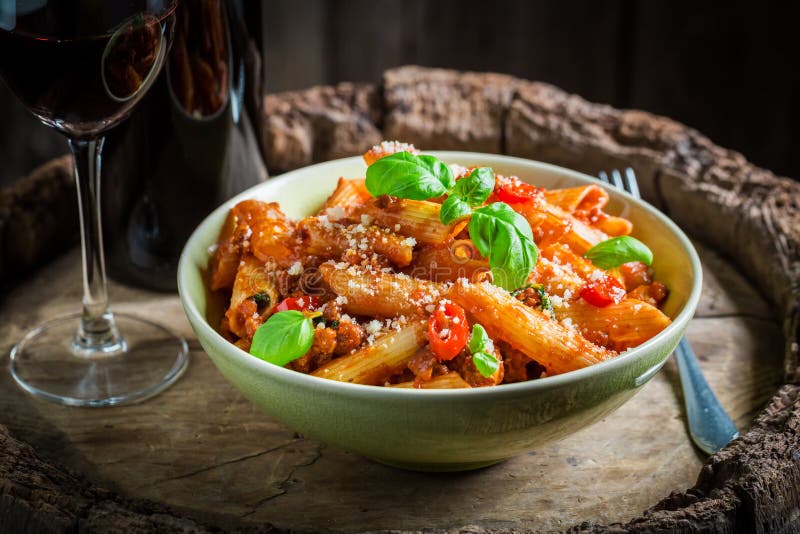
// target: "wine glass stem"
[[97, 332]]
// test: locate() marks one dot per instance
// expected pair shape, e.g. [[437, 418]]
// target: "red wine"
[[82, 70]]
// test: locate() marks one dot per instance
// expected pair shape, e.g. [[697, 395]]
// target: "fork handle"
[[709, 425]]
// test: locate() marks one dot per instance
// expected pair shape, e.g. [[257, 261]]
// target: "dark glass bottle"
[[188, 146]]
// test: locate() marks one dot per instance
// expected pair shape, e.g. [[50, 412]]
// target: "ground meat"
[[514, 363], [349, 337], [466, 368], [366, 259], [405, 376], [530, 297], [635, 274], [653, 294], [332, 312], [320, 352], [324, 341], [247, 318], [385, 202], [518, 367], [425, 366]]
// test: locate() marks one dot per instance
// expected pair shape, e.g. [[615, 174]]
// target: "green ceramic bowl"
[[441, 430]]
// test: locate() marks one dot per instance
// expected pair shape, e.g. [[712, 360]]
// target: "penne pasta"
[[551, 224], [348, 195], [377, 293], [563, 255], [414, 218], [255, 226], [583, 198], [614, 226], [451, 380], [557, 279], [375, 364], [253, 278], [449, 262], [585, 204], [225, 260], [618, 326], [581, 237], [555, 346], [323, 238], [547, 227]]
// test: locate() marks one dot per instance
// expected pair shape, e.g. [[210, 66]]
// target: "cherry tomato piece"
[[448, 331], [304, 303], [515, 191], [603, 292]]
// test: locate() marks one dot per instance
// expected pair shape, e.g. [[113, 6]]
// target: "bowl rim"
[[199, 322]]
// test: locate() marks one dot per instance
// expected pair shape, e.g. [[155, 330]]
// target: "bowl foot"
[[436, 467]]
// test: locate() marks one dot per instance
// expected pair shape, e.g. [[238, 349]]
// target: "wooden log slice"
[[38, 219], [446, 109], [319, 124], [236, 468]]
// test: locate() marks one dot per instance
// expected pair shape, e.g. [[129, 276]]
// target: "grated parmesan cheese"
[[336, 213], [374, 327], [296, 269]]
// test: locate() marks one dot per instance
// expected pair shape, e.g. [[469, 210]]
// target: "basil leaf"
[[475, 188], [408, 176], [479, 339], [486, 363], [286, 336], [544, 298], [454, 208], [480, 346], [504, 237], [618, 250]]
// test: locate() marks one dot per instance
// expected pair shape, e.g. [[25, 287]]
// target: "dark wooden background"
[[728, 69]]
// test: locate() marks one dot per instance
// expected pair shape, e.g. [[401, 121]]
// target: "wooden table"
[[201, 455]]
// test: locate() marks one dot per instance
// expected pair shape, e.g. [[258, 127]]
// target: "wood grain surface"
[[202, 449]]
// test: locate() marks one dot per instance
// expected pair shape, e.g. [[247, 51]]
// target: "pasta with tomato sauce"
[[432, 276]]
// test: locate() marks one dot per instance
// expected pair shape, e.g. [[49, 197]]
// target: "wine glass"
[[81, 66]]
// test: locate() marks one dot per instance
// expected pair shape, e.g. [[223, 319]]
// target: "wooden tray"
[[200, 455]]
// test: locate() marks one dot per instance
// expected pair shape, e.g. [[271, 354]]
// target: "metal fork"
[[709, 425]]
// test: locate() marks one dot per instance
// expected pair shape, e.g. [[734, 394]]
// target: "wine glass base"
[[46, 364]]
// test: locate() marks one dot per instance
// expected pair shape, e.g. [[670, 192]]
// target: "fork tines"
[[626, 182]]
